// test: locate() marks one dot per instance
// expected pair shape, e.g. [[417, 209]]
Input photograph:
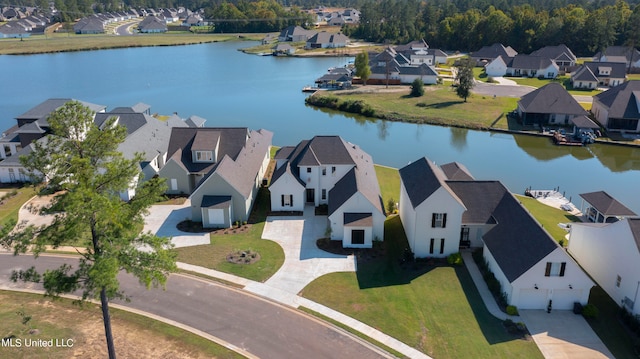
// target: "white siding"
[[287, 185], [356, 204]]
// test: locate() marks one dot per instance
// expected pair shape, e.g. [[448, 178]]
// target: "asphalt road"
[[124, 29], [260, 327]]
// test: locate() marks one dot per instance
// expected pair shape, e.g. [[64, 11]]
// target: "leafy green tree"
[[82, 161], [417, 88], [464, 78], [362, 66]]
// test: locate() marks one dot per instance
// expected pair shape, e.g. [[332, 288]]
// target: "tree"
[[464, 78], [362, 66], [417, 87], [82, 161]]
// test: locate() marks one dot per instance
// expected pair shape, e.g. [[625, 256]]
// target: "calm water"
[[230, 88]]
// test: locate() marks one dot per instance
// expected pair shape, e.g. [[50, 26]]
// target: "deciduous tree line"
[[469, 25]]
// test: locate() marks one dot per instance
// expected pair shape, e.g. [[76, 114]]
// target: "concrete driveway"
[[304, 261], [562, 334], [163, 219]]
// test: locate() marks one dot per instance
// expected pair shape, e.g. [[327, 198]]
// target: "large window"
[[324, 194], [204, 156], [357, 236], [555, 269], [439, 220]]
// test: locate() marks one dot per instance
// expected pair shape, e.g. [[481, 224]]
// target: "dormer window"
[[203, 156]]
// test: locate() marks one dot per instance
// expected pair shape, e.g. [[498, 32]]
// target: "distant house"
[[590, 75], [335, 80], [532, 66], [488, 53], [13, 30], [550, 104], [602, 208], [324, 40], [618, 109], [152, 24], [418, 53], [623, 54], [392, 67], [89, 25], [560, 54], [295, 34], [610, 253], [283, 50], [441, 214], [327, 170]]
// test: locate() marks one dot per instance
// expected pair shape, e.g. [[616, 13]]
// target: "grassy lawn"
[[548, 216], [633, 76], [433, 308], [10, 206], [439, 106], [73, 42], [389, 181], [536, 82], [135, 336], [608, 326], [214, 255]]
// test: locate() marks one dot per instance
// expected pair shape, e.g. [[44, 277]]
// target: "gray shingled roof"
[[621, 100], [529, 62], [606, 204], [584, 122], [584, 73], [623, 53], [558, 52], [422, 70], [634, 225], [220, 202], [43, 110], [322, 150], [150, 139], [421, 179], [195, 121], [358, 219], [617, 70], [456, 172], [551, 98], [494, 51], [286, 168], [205, 140]]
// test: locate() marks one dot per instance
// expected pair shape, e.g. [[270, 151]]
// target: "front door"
[[311, 195]]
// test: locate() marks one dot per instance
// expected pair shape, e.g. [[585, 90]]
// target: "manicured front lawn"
[[536, 82], [548, 216], [389, 180], [11, 205], [214, 255], [439, 106], [434, 308]]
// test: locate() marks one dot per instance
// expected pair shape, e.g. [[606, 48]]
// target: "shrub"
[[417, 88], [562, 242], [590, 311], [421, 104], [512, 310], [391, 205], [454, 259]]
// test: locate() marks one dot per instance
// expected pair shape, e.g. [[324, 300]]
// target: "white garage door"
[[216, 216], [533, 299], [563, 299]]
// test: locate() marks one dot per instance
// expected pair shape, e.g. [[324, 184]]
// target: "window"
[[333, 169], [324, 193], [555, 269], [204, 156], [618, 281], [287, 200], [431, 246], [357, 236], [324, 171], [174, 184], [439, 220], [441, 245], [308, 169]]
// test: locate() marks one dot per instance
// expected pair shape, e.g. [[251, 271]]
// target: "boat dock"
[[555, 199]]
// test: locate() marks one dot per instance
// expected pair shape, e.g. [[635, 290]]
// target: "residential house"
[[488, 53], [590, 75], [327, 170], [324, 40], [610, 253], [283, 50], [618, 109], [550, 104], [560, 54], [152, 24], [89, 25], [13, 30], [335, 80], [600, 207], [295, 34], [441, 214], [392, 67], [418, 52], [623, 54], [532, 66]]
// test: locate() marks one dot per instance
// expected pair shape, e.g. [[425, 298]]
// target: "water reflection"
[[543, 149], [459, 138], [617, 158]]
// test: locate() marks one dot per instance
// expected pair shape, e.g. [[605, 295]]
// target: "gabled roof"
[[152, 23], [456, 172], [559, 52], [417, 44], [195, 121], [422, 70], [529, 62], [616, 69], [584, 122], [493, 51], [286, 168], [606, 204], [324, 37], [551, 98], [584, 73], [619, 54], [622, 101], [421, 179], [322, 150], [43, 110], [358, 219]]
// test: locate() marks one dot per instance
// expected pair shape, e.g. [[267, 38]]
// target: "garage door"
[[533, 299], [564, 298], [216, 216]]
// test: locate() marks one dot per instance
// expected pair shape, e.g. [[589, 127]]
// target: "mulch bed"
[[363, 254], [196, 227], [284, 213], [243, 257]]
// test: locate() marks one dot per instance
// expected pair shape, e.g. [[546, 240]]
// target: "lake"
[[230, 88]]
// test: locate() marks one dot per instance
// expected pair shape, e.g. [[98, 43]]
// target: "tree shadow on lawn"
[[439, 105], [492, 328]]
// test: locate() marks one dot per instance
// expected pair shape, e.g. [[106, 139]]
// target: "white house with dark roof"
[[393, 67], [600, 207], [327, 170], [441, 214], [550, 104], [610, 253], [488, 53], [618, 109], [560, 54], [622, 54], [590, 75], [324, 40]]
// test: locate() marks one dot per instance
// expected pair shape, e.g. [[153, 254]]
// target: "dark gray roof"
[[622, 100], [634, 224], [324, 37], [421, 179], [422, 70], [584, 122], [286, 168], [494, 51], [529, 62], [616, 69], [481, 199], [232, 140], [205, 141], [322, 150], [152, 23], [559, 52], [127, 118], [215, 202], [195, 121], [623, 52], [284, 152], [417, 44], [43, 110], [584, 73], [551, 98], [32, 127], [456, 172], [358, 219], [606, 204]]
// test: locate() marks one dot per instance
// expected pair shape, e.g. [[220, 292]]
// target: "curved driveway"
[[262, 328]]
